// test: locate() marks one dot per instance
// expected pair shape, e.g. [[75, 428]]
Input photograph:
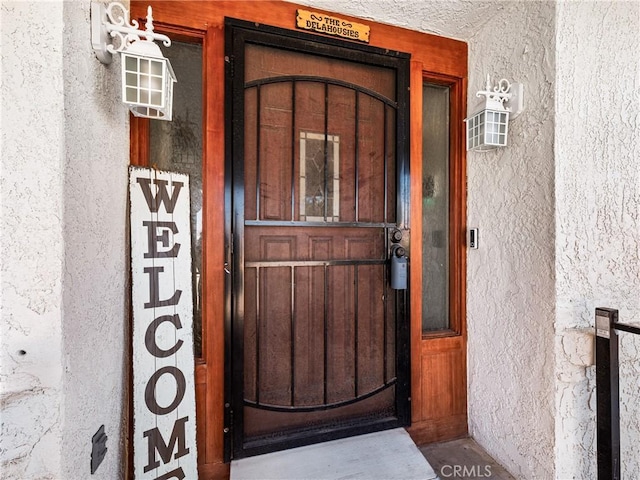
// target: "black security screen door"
[[318, 177]]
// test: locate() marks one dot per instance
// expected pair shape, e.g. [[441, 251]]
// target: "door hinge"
[[229, 426], [231, 65]]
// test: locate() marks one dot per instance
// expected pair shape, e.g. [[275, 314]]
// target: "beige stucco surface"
[[597, 168], [32, 245], [511, 278], [558, 212], [65, 149], [95, 329]]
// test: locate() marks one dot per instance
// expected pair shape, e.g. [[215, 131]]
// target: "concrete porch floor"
[[386, 455], [463, 459]]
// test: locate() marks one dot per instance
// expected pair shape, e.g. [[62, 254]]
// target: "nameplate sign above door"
[[164, 409], [318, 22]]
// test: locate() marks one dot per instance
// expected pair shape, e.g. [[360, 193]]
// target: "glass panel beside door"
[[176, 146], [435, 208]]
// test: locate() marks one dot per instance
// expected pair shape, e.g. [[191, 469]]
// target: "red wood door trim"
[[432, 57]]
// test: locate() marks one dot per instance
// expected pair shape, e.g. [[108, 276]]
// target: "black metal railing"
[[608, 391]]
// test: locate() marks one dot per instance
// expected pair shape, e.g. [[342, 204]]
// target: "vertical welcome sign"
[[163, 369]]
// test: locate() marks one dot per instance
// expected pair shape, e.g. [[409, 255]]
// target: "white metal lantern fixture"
[[147, 76], [488, 127]]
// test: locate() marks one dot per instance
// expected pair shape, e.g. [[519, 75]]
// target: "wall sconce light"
[[487, 128], [147, 76]]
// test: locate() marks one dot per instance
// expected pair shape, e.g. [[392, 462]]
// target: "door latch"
[[399, 268]]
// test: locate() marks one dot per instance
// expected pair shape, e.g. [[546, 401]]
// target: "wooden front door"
[[438, 343], [318, 203]]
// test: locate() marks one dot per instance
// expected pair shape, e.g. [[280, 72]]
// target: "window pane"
[[319, 181], [131, 64], [176, 146], [435, 208]]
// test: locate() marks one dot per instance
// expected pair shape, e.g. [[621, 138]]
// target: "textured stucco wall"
[[63, 221], [95, 287], [511, 278], [32, 246], [598, 216], [64, 179], [510, 282], [458, 19]]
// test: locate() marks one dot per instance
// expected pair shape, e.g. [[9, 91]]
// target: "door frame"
[[249, 32], [433, 58]]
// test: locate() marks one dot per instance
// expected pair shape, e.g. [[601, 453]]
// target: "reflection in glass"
[[435, 208], [176, 146]]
